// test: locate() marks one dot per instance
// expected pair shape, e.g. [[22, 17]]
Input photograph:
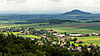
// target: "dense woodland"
[[11, 45], [51, 21]]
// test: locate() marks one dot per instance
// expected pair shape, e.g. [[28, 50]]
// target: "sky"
[[48, 6]]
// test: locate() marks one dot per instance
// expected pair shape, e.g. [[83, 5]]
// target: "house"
[[20, 28], [61, 35], [88, 49], [62, 44], [26, 29], [94, 34], [75, 35], [79, 48], [56, 34], [54, 43], [78, 41], [44, 36], [40, 43], [21, 31], [32, 39], [21, 34], [63, 39]]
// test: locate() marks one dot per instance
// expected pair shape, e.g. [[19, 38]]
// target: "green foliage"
[[59, 21]]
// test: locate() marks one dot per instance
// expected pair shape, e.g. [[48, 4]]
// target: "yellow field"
[[12, 32], [29, 36]]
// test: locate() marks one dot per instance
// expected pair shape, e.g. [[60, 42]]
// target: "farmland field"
[[88, 28], [29, 36], [11, 32], [88, 40]]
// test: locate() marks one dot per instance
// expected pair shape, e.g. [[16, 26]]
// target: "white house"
[[76, 35]]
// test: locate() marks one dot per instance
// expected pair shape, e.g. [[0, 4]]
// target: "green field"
[[59, 27], [88, 40], [74, 30]]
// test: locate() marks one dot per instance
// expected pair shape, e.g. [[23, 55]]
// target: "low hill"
[[76, 12]]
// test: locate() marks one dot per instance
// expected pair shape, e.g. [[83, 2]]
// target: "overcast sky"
[[48, 6]]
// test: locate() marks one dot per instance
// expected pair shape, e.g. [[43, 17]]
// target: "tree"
[[75, 39]]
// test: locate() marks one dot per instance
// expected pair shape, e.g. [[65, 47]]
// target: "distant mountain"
[[76, 12]]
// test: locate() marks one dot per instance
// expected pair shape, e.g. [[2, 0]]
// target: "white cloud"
[[49, 5], [56, 0], [17, 1]]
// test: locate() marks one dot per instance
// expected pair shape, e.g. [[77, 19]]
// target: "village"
[[53, 38]]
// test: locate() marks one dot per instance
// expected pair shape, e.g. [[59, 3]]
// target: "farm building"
[[75, 35], [78, 41], [61, 35], [21, 34], [94, 34]]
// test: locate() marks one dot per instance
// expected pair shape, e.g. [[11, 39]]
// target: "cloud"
[[49, 5], [13, 1], [16, 1], [55, 0]]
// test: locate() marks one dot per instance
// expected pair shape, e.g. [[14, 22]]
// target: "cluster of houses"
[[8, 29], [60, 40], [53, 38], [24, 31]]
